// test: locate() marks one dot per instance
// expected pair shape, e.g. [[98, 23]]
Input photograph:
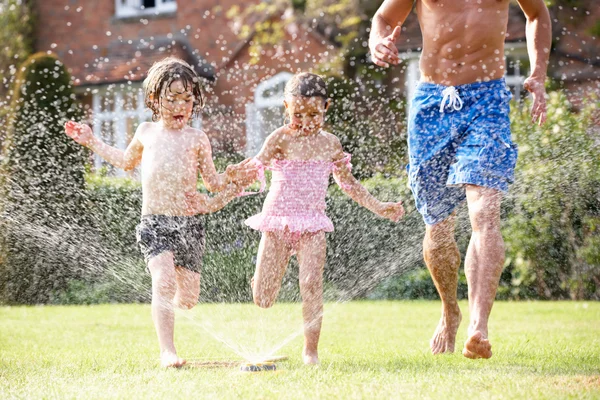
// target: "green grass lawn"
[[377, 350]]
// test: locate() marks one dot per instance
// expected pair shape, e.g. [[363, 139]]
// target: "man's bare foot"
[[170, 359], [477, 346], [444, 336], [310, 358]]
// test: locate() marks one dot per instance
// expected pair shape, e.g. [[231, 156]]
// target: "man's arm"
[[385, 30], [126, 160], [539, 41]]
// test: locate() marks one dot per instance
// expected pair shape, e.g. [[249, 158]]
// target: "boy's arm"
[[357, 192], [126, 160], [213, 181], [199, 203]]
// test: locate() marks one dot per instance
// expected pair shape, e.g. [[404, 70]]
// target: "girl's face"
[[176, 105], [307, 114]]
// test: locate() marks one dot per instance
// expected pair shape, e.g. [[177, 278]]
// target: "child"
[[171, 153], [301, 157]]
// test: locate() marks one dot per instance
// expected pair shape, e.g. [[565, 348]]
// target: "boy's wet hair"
[[306, 84], [160, 77]]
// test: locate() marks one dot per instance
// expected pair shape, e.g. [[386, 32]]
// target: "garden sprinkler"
[[263, 366], [258, 367]]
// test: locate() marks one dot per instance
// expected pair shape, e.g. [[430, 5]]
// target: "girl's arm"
[[242, 173], [126, 160], [271, 147], [352, 187]]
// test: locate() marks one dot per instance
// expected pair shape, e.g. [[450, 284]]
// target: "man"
[[459, 140]]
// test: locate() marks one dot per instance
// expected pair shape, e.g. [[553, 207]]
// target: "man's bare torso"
[[463, 40], [169, 168]]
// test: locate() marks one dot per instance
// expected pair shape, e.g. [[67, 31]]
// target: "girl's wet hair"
[[160, 77], [306, 84]]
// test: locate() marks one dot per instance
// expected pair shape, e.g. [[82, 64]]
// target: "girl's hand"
[[80, 133], [196, 203], [242, 174], [392, 211]]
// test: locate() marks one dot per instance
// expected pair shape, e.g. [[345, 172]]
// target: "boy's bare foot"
[[477, 346], [444, 336], [310, 358], [170, 359]]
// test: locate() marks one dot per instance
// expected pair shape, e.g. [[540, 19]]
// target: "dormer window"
[[134, 8]]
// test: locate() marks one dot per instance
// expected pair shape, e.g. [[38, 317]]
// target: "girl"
[[301, 156]]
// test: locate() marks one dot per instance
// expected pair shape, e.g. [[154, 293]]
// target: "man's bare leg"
[[443, 260], [483, 266], [164, 285], [311, 259]]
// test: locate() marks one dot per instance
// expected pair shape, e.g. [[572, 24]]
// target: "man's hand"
[[242, 174], [384, 51], [536, 87], [392, 211], [80, 133]]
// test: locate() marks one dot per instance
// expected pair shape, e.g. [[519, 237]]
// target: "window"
[[133, 8], [266, 113]]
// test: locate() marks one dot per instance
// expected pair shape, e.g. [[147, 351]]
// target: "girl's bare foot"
[[477, 346], [310, 357], [170, 359], [444, 336]]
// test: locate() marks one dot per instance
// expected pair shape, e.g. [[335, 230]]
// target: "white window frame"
[[255, 134], [515, 80], [133, 8], [118, 117]]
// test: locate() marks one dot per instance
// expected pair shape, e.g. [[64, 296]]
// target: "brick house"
[[109, 45]]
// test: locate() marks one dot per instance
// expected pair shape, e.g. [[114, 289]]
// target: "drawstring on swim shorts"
[[452, 98]]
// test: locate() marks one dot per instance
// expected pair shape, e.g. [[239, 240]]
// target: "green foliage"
[[370, 128], [42, 181], [554, 206], [16, 36]]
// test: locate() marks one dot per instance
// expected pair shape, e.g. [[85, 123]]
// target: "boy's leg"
[[188, 288], [273, 257], [483, 265], [162, 270], [311, 258], [443, 260]]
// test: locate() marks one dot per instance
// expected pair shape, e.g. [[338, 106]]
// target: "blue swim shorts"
[[458, 135]]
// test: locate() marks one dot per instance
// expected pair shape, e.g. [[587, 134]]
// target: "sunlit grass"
[[368, 350]]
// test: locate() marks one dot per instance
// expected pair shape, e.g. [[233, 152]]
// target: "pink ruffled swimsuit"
[[296, 199]]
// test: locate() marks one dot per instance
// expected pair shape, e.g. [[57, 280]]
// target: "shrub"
[[42, 185]]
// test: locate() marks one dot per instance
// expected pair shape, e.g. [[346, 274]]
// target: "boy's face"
[[176, 105], [307, 114]]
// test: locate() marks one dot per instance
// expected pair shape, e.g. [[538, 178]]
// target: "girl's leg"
[[188, 288], [272, 260], [311, 257], [162, 269]]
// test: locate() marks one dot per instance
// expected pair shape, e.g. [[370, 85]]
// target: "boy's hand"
[[80, 133], [392, 211], [242, 174], [196, 203]]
